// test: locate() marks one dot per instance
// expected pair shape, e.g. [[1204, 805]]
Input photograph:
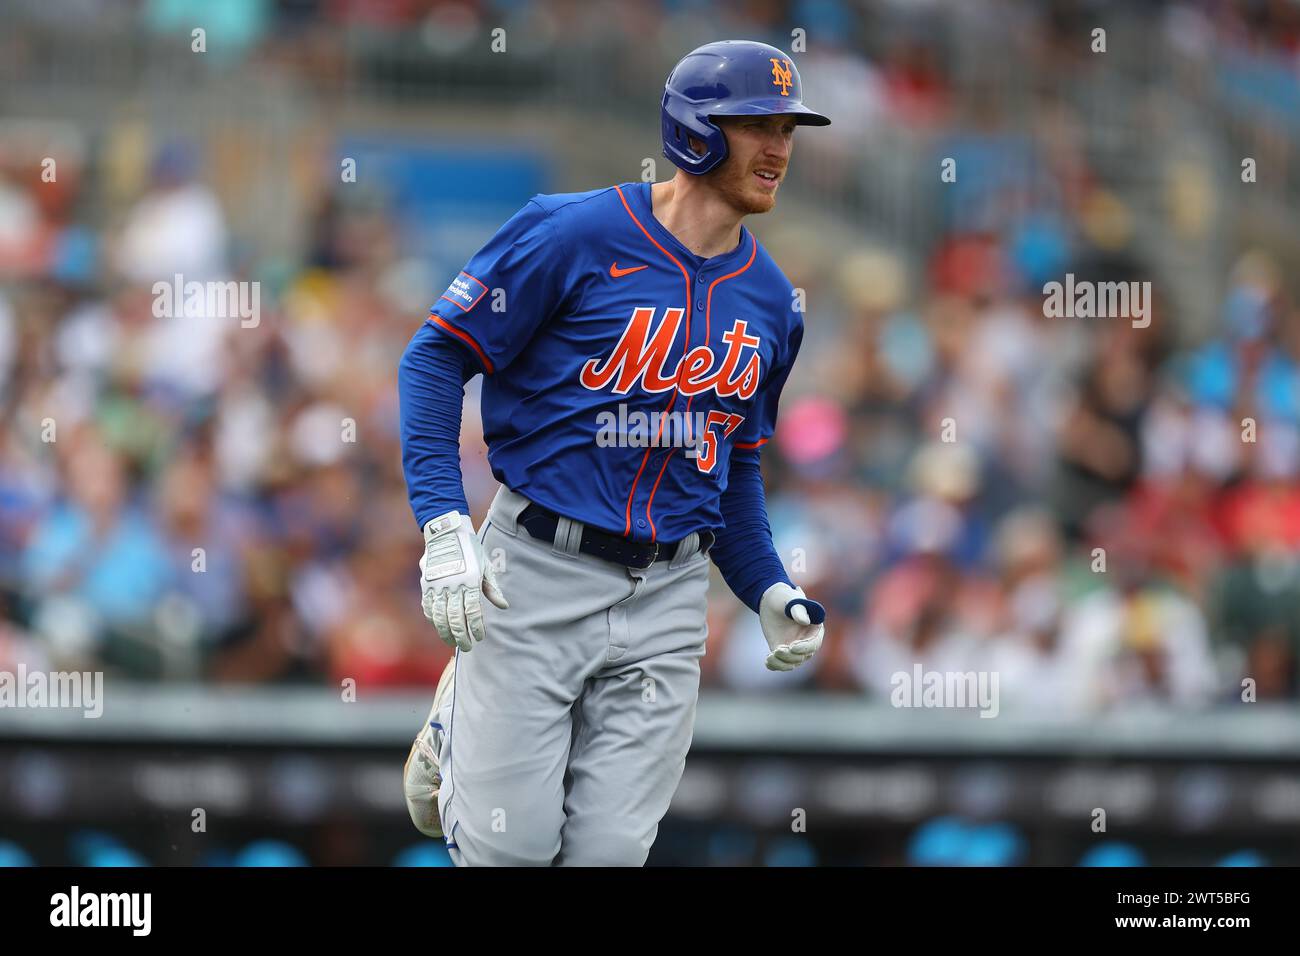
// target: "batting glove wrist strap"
[[444, 551], [786, 615], [454, 578]]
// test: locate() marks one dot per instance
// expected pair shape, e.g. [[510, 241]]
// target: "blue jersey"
[[621, 370]]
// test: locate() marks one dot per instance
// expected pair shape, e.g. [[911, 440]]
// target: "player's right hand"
[[454, 578]]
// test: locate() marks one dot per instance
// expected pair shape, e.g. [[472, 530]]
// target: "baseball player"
[[634, 341]]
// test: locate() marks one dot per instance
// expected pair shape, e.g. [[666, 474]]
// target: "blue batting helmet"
[[727, 78]]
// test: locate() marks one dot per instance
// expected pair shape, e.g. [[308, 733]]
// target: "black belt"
[[541, 523]]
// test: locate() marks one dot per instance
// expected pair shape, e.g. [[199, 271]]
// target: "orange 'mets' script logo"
[[615, 271], [782, 75]]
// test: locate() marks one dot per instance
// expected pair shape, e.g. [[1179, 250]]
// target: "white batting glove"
[[791, 634], [454, 577]]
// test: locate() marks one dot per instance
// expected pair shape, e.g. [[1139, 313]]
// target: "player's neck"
[[701, 220]]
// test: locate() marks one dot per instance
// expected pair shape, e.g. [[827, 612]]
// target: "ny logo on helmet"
[[782, 75]]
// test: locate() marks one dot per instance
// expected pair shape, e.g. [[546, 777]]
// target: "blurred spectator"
[[97, 552], [1135, 641], [1033, 673], [176, 227]]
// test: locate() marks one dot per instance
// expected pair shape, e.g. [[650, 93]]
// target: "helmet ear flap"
[[680, 123]]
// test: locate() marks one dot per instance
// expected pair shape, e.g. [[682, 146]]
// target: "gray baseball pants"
[[567, 729]]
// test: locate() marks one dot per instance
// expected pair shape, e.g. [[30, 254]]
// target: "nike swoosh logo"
[[615, 271]]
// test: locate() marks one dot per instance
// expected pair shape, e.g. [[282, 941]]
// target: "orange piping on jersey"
[[465, 337], [708, 306], [627, 527], [750, 445]]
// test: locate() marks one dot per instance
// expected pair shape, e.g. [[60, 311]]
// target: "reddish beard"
[[734, 183]]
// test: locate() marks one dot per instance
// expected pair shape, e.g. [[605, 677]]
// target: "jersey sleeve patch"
[[465, 291]]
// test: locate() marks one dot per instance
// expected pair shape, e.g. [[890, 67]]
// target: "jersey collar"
[[645, 211]]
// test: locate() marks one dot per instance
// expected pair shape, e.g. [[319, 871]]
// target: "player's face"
[[758, 153]]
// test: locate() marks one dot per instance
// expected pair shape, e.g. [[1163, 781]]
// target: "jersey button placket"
[[681, 402]]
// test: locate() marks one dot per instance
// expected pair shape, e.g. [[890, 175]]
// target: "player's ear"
[[697, 147]]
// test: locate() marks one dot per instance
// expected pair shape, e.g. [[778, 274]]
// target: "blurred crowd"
[[1102, 514], [196, 495], [1097, 514]]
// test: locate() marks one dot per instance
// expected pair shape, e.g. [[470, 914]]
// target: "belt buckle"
[[654, 556]]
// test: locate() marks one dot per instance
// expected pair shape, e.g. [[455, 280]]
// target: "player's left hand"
[[792, 624]]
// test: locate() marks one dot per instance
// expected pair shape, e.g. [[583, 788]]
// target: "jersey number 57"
[[708, 452]]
